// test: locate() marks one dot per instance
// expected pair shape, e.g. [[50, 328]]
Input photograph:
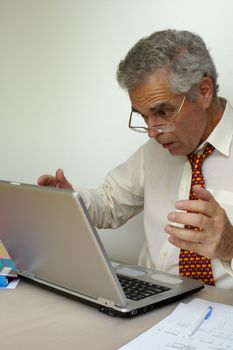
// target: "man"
[[172, 84]]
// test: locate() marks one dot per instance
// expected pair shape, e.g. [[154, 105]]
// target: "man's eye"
[[164, 113], [161, 113]]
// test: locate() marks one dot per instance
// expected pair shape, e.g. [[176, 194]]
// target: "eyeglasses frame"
[[161, 128]]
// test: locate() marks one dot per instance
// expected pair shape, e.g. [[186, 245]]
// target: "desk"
[[35, 318]]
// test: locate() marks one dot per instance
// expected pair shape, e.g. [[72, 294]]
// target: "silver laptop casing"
[[52, 240]]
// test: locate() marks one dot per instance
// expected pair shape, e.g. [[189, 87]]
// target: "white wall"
[[60, 105]]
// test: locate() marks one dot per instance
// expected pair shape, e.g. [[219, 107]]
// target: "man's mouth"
[[167, 145], [164, 142]]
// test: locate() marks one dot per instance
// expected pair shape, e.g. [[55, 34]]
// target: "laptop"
[[53, 242]]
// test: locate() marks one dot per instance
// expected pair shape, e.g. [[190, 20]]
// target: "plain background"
[[60, 105]]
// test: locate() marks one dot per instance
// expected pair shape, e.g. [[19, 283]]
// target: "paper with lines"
[[215, 333]]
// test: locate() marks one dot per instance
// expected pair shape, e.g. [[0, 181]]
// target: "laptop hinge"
[[106, 302]]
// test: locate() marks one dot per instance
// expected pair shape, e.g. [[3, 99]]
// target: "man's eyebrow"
[[162, 105], [156, 108]]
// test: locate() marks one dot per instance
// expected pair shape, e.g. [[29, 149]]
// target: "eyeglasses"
[[168, 126]]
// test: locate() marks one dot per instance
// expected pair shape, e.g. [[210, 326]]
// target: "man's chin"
[[176, 152], [174, 149]]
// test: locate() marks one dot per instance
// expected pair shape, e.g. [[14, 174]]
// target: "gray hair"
[[183, 54]]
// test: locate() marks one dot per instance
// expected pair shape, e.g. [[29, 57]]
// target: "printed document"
[[187, 328]]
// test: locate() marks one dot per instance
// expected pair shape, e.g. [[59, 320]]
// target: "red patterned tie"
[[191, 264]]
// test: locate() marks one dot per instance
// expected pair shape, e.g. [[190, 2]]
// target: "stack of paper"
[[8, 274], [189, 328]]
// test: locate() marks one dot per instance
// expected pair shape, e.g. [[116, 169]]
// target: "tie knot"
[[196, 159]]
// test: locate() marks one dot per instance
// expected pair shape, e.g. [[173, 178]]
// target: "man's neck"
[[215, 113]]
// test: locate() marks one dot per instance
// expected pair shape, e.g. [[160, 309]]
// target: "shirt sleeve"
[[120, 197]]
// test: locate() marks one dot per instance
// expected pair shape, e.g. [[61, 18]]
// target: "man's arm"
[[119, 198]]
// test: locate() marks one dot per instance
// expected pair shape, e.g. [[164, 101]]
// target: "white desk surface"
[[34, 318]]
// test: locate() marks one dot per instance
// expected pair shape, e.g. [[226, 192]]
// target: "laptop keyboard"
[[137, 289]]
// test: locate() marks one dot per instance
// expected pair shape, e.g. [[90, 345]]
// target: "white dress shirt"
[[153, 180]]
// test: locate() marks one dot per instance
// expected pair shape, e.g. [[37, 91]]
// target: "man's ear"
[[206, 91]]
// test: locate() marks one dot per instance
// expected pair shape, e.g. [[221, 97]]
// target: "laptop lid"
[[52, 240]]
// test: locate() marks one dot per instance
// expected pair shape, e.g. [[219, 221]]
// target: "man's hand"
[[59, 180], [215, 237]]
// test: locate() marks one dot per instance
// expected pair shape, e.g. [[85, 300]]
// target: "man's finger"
[[186, 235], [191, 246], [205, 204], [46, 180], [202, 193], [191, 219], [62, 181], [60, 176]]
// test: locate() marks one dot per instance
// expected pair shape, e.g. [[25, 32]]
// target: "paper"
[[8, 272], [215, 333], [12, 284]]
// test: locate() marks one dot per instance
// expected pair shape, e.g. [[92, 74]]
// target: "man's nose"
[[152, 133], [150, 123]]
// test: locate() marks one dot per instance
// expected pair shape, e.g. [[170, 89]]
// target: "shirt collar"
[[221, 136]]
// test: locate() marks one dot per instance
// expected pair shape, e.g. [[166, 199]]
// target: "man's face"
[[190, 125]]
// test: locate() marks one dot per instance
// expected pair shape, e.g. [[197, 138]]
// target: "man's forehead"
[[152, 98], [154, 85]]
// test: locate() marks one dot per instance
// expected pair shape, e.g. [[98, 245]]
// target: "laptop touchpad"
[[130, 272], [166, 278]]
